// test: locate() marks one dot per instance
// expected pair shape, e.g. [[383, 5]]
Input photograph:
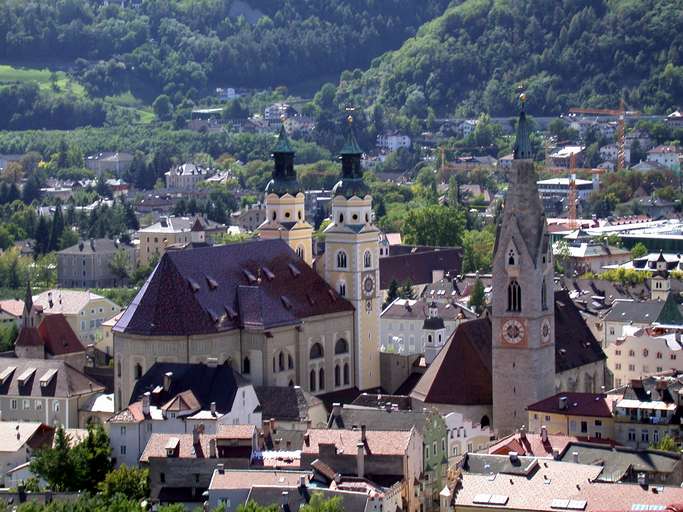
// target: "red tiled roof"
[[12, 306], [215, 289], [378, 442], [578, 404], [235, 431], [58, 335], [533, 445]]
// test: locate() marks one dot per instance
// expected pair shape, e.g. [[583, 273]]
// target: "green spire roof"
[[351, 146], [522, 148], [283, 145]]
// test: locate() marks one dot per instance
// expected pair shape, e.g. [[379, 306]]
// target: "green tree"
[[318, 503], [392, 293], [42, 236], [667, 444], [406, 290], [639, 250], [53, 464], [162, 107], [434, 226], [120, 265], [91, 459], [8, 334], [477, 250], [57, 229], [477, 297], [130, 482]]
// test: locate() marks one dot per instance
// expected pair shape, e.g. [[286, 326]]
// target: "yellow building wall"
[[571, 425]]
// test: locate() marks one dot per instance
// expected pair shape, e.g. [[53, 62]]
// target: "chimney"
[[360, 460], [167, 380], [213, 408], [221, 468], [563, 403], [212, 362], [336, 410], [544, 434], [522, 432], [302, 481], [642, 479], [266, 428], [212, 448], [284, 500], [556, 454], [575, 457], [273, 429], [307, 439], [145, 403], [363, 438], [514, 457]]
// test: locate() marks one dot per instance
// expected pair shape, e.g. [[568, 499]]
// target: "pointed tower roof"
[[284, 176], [661, 256], [351, 183], [28, 300], [522, 148]]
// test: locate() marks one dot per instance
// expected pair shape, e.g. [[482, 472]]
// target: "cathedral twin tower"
[[350, 263]]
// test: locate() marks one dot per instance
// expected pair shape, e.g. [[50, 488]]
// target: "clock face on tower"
[[545, 331], [513, 332], [368, 286]]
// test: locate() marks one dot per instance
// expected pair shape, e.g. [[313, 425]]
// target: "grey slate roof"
[[484, 464], [617, 460], [378, 419], [290, 403], [96, 246], [298, 496], [67, 382], [645, 312]]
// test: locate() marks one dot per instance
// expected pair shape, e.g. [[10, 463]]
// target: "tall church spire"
[[284, 177], [522, 147], [351, 183]]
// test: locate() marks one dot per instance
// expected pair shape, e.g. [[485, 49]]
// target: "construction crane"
[[621, 115]]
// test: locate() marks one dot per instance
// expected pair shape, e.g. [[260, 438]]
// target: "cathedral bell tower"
[[351, 260], [522, 317], [285, 213]]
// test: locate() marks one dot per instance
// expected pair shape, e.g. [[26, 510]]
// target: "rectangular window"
[[611, 330], [547, 418], [13, 404], [162, 478], [426, 452], [631, 435], [645, 436], [632, 367], [123, 431], [617, 366], [617, 352], [598, 423], [26, 404], [39, 405], [584, 427], [123, 449]]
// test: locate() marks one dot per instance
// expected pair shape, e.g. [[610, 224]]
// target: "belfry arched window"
[[514, 296], [316, 351], [367, 259], [337, 376], [341, 259]]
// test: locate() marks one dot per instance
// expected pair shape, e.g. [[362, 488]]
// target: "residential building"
[[402, 325], [106, 343], [628, 465], [626, 316], [610, 152], [430, 424], [646, 410], [562, 157], [6, 159], [675, 119], [115, 162], [497, 482], [392, 141], [291, 408], [231, 487], [187, 176], [249, 218], [84, 310], [465, 436], [181, 465], [573, 414], [668, 156], [18, 442], [155, 239], [11, 311], [172, 398], [273, 113], [559, 187], [392, 457], [44, 390], [96, 410], [87, 264], [537, 444], [588, 255]]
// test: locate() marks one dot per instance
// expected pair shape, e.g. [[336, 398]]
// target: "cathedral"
[[259, 305], [535, 342]]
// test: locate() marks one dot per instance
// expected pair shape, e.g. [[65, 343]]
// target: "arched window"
[[342, 289], [300, 252], [316, 351], [290, 362], [341, 259], [311, 380], [274, 215], [281, 361], [274, 365], [544, 295], [511, 257], [341, 347], [341, 218], [346, 374], [138, 371], [514, 296], [367, 259], [321, 379], [246, 366], [291, 383], [337, 375], [485, 421]]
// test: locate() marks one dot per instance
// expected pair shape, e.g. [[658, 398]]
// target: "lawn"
[[58, 81]]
